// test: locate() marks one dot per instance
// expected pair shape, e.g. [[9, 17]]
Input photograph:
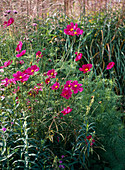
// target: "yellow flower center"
[[56, 87], [86, 69], [30, 94], [20, 77], [69, 85], [75, 86], [51, 73], [71, 29], [32, 70], [75, 32]]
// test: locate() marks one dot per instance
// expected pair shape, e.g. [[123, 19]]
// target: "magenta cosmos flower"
[[68, 84], [31, 70], [19, 76], [7, 63], [90, 139], [66, 111], [21, 54], [4, 129], [47, 81], [7, 81], [33, 92], [9, 22], [76, 87], [78, 57], [38, 54], [21, 62], [86, 68], [52, 73], [34, 24], [110, 65], [14, 11], [55, 86], [73, 29], [19, 46], [16, 90], [66, 93]]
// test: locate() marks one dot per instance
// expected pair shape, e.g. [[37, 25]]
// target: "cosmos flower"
[[19, 76], [110, 65], [86, 68], [21, 54], [78, 57], [55, 86], [66, 93], [76, 87], [7, 63], [73, 30], [66, 111], [52, 73]]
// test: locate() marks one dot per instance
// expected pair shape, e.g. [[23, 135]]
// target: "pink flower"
[[5, 24], [19, 76], [21, 62], [12, 81], [78, 57], [38, 54], [1, 70], [73, 29], [8, 11], [32, 93], [62, 156], [14, 11], [110, 65], [36, 89], [68, 84], [89, 138], [93, 141], [55, 86], [47, 81], [16, 90], [52, 73], [19, 46], [76, 87], [85, 68], [31, 70], [4, 129], [40, 84], [7, 63], [66, 93], [21, 54], [17, 101], [7, 81], [9, 22], [66, 111], [34, 24]]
